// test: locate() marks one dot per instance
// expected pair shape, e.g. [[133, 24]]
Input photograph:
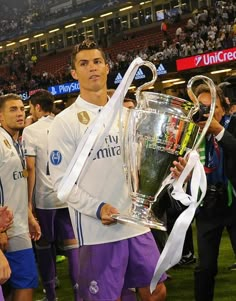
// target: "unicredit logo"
[[198, 60], [218, 57], [206, 59]]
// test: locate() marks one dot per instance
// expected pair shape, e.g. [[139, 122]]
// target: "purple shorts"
[[107, 268], [55, 224], [1, 294]]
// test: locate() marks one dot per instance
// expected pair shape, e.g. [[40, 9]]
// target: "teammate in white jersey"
[[53, 215], [16, 241], [6, 219], [113, 256]]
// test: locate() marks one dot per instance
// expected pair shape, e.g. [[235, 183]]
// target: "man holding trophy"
[[113, 255]]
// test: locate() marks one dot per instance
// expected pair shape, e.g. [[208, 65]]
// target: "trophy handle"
[[140, 102], [193, 97]]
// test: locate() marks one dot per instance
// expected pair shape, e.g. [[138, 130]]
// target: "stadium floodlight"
[[170, 80], [145, 2], [70, 25], [54, 30], [180, 82], [220, 71], [126, 8], [39, 35], [23, 40], [88, 20], [11, 44], [107, 14]]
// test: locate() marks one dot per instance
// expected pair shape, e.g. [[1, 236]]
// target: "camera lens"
[[198, 116]]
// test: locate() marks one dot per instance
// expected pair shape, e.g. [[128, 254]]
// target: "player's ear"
[[73, 74]]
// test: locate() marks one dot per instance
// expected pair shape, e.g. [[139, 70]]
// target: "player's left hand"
[[6, 218], [106, 212], [34, 229], [178, 167]]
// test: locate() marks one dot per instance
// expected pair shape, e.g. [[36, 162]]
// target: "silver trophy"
[[158, 130]]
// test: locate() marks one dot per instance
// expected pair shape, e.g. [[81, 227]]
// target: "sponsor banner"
[[206, 59], [24, 95], [143, 74], [64, 88], [161, 70]]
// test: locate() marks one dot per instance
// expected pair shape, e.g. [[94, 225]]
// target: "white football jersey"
[[13, 185], [35, 143], [103, 181]]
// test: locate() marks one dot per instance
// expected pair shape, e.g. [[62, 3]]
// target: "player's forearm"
[[31, 184]]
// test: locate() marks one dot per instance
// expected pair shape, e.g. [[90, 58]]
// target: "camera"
[[198, 116]]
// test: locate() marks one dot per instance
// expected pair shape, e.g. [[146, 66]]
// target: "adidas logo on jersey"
[[118, 79], [161, 70], [139, 74]]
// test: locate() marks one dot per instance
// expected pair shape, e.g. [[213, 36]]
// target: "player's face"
[[12, 116], [90, 70]]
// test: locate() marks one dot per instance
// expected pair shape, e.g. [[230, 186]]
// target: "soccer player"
[[16, 241], [53, 215], [112, 255]]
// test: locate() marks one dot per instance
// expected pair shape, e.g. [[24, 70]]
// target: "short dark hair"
[[87, 44], [219, 93], [7, 97], [44, 98], [130, 97]]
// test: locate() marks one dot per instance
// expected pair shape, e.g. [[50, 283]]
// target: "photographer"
[[218, 208]]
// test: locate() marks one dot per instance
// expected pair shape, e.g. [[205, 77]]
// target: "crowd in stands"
[[208, 29], [27, 18]]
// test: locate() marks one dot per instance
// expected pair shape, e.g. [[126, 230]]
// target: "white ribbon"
[[95, 133], [172, 252]]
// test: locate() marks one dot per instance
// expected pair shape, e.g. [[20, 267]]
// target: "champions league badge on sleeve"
[[55, 157]]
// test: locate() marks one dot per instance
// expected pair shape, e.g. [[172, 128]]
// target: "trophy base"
[[151, 222]]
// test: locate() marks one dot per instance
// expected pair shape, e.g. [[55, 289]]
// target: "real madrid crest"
[[83, 117], [6, 142]]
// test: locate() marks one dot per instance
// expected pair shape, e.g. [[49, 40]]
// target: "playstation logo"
[[53, 91]]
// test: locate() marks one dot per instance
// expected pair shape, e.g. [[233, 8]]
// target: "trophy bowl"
[[156, 133]]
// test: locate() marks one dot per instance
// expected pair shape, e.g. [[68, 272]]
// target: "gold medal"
[[25, 173], [83, 117]]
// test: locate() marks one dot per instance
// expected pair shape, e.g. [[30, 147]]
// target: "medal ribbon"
[[172, 252], [20, 153]]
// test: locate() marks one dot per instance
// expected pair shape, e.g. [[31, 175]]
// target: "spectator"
[[218, 208], [164, 29]]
